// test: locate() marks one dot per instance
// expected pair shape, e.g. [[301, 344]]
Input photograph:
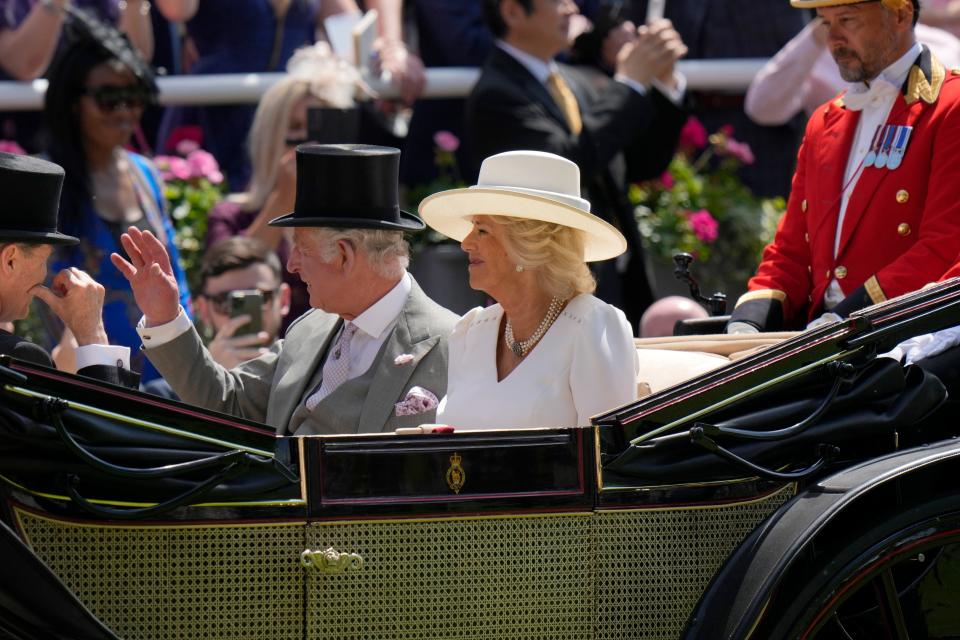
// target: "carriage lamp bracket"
[[716, 304]]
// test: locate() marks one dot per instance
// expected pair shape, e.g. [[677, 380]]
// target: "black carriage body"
[[166, 521]]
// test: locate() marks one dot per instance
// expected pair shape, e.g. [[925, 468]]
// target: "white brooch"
[[402, 359]]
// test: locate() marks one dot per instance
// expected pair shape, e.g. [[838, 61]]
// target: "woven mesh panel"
[[653, 565], [451, 579], [171, 582], [610, 575]]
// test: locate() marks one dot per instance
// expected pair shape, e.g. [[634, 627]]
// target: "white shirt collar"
[[379, 316], [538, 68], [896, 74]]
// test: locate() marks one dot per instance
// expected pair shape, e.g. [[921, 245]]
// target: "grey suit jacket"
[[270, 388]]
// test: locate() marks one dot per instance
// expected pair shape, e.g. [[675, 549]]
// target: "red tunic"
[[901, 229]]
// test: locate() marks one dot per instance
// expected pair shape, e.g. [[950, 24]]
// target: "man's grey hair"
[[387, 251]]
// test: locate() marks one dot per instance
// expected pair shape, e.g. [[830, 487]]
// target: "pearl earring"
[[519, 268]]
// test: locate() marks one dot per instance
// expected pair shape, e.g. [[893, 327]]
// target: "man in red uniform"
[[874, 211]]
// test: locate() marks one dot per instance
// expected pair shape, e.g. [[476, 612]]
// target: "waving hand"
[[150, 274]]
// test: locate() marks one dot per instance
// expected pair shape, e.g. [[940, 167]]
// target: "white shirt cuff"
[[639, 87], [109, 354], [673, 94], [163, 333]]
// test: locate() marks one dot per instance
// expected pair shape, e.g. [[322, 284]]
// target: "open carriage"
[[804, 490]]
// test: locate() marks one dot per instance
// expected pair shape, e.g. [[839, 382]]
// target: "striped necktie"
[[565, 99]]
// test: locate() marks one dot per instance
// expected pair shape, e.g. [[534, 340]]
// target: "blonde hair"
[[387, 251], [554, 251], [312, 71]]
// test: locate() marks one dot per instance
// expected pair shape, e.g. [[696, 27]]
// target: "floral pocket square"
[[418, 400]]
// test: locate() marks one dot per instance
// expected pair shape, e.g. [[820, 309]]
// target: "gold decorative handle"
[[330, 561]]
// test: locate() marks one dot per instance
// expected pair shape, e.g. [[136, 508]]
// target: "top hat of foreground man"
[[31, 200], [349, 186]]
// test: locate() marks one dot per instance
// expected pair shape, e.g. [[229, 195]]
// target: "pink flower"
[[402, 359], [179, 168], [9, 146], [693, 135], [187, 146], [666, 179], [202, 164], [740, 150], [446, 141], [703, 224], [215, 177]]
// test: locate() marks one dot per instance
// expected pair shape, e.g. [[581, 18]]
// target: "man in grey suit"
[[372, 354]]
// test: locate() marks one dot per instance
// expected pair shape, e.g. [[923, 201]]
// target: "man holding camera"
[[372, 354], [243, 299]]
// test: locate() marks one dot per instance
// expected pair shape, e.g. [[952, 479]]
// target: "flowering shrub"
[[194, 184], [700, 206]]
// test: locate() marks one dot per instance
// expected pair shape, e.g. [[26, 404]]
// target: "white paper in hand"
[[339, 30], [655, 10]]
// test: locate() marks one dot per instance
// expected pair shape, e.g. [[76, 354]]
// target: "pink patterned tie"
[[336, 368]]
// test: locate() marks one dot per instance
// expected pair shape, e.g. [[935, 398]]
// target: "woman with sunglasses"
[[98, 87], [315, 78]]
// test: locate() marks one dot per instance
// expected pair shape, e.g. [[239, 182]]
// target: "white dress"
[[585, 364]]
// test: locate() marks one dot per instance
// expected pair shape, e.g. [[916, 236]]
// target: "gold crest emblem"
[[456, 476]]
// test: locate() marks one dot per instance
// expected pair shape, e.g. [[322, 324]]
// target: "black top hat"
[[348, 186], [31, 199]]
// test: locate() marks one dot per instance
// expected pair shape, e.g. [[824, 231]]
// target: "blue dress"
[[239, 36], [98, 239]]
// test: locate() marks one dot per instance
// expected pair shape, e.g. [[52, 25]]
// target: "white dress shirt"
[[373, 328], [874, 114], [541, 71]]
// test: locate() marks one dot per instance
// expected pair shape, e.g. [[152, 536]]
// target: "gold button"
[[809, 269], [828, 273], [902, 196], [903, 229], [806, 237], [840, 272], [803, 205]]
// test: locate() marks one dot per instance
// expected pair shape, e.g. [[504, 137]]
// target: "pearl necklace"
[[521, 348]]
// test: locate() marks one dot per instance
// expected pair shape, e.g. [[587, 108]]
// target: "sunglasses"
[[110, 97], [221, 301]]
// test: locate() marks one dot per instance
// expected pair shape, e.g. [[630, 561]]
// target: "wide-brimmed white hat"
[[524, 184]]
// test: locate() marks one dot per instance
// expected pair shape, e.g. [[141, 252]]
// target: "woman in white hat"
[[548, 354]]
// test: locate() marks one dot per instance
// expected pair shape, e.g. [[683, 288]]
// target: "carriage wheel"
[[896, 579]]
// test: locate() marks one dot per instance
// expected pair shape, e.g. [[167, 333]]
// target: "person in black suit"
[[618, 132], [28, 233]]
